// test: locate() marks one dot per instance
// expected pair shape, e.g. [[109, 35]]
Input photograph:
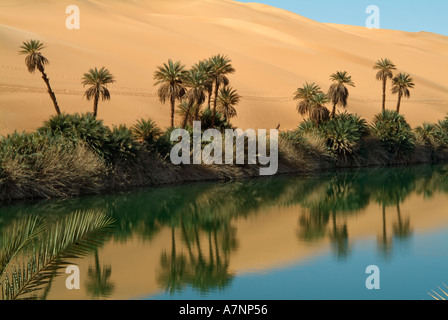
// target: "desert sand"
[[273, 51]]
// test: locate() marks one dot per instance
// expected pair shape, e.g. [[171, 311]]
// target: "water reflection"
[[98, 283], [203, 218], [205, 268]]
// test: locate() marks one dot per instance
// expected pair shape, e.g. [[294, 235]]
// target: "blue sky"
[[405, 15]]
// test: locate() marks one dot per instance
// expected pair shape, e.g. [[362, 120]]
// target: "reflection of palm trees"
[[98, 283], [391, 189], [339, 238], [340, 195], [402, 229], [175, 268], [312, 225], [202, 270], [384, 243]]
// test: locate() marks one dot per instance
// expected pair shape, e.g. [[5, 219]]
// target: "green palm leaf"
[[72, 237], [16, 237]]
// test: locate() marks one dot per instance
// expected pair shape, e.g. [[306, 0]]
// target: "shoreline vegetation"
[[76, 154]]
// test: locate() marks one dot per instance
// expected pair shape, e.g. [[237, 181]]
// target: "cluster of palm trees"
[[312, 100], [96, 80], [205, 80], [208, 79], [401, 83]]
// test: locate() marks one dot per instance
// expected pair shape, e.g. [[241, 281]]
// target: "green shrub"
[[426, 134], [163, 144], [395, 134], [147, 131], [206, 120], [120, 145], [304, 149], [343, 134], [441, 132], [112, 145], [79, 127], [434, 138], [308, 126], [36, 165]]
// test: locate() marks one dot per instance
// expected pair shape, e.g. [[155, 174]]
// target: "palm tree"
[[220, 66], [35, 59], [318, 112], [227, 98], [205, 66], [98, 81], [304, 96], [170, 77], [195, 80], [401, 84], [338, 92], [185, 112], [384, 67]]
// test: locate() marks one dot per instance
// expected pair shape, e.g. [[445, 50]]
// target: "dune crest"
[[273, 51]]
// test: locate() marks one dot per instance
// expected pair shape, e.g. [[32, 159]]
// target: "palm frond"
[[72, 237], [342, 77], [171, 78], [146, 130], [31, 46], [440, 296], [34, 58], [220, 65], [16, 237], [385, 67], [401, 83]]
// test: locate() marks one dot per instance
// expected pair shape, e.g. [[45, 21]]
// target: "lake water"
[[288, 238]]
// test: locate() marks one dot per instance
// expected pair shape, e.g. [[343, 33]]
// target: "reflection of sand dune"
[[273, 51]]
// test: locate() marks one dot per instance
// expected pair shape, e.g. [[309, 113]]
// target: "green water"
[[270, 238]]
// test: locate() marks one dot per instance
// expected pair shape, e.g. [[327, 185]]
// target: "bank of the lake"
[[75, 155]]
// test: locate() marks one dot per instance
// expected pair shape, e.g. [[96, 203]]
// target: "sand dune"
[[274, 52]]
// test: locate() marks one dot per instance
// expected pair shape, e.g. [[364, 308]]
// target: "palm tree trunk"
[[196, 112], [399, 102], [198, 245], [399, 215], [210, 92], [95, 103], [50, 91], [187, 241], [384, 224], [384, 94], [184, 122], [333, 113], [215, 101], [173, 102], [210, 248], [215, 237]]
